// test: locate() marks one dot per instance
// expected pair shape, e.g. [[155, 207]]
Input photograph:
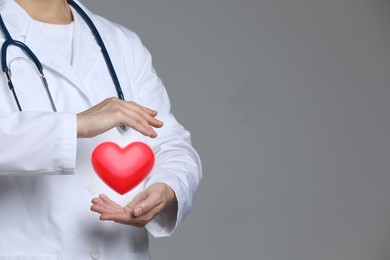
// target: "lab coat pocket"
[[19, 256]]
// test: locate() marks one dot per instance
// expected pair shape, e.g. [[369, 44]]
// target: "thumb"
[[136, 200], [148, 203]]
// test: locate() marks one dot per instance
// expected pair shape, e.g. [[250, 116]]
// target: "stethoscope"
[[10, 41]]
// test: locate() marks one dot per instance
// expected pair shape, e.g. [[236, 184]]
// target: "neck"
[[48, 11]]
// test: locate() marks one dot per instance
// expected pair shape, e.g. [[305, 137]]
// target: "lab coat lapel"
[[49, 56], [85, 49]]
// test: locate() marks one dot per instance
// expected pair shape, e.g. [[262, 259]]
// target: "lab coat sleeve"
[[177, 163], [37, 143]]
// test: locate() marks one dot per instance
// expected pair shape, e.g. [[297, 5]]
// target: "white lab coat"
[[46, 179]]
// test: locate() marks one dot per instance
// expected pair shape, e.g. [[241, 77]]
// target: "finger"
[[140, 122], [151, 112], [146, 218], [145, 113], [117, 217], [145, 122], [145, 118], [146, 109], [120, 217], [102, 209], [108, 201], [134, 116], [96, 201]]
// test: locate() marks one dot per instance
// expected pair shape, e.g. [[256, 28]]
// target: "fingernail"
[[137, 212]]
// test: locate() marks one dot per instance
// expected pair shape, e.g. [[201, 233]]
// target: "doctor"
[[52, 205]]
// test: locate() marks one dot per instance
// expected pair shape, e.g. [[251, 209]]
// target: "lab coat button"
[[92, 189], [95, 254]]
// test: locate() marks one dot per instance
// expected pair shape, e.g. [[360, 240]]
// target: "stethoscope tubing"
[[10, 41], [103, 48]]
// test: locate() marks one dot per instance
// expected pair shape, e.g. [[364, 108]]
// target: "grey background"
[[287, 102]]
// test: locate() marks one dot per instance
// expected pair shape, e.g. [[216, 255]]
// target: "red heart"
[[122, 168]]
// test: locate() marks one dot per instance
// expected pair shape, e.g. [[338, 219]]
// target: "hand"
[[141, 210], [113, 112]]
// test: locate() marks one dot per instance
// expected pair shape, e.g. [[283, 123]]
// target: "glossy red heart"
[[122, 169]]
